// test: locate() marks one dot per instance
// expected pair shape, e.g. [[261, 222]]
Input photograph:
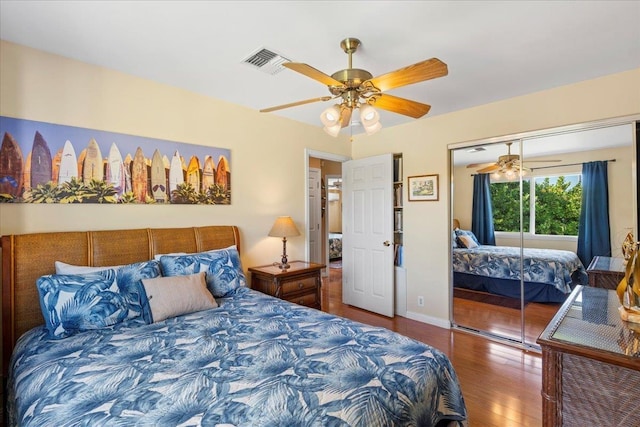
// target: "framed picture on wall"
[[423, 188]]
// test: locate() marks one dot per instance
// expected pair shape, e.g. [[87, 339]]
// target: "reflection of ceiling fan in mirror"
[[357, 88], [508, 165]]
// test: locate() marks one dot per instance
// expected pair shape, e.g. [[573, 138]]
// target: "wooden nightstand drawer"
[[310, 300], [298, 285]]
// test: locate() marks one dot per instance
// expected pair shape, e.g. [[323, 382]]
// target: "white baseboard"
[[430, 320]]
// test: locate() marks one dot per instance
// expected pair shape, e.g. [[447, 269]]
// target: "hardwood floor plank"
[[501, 384]]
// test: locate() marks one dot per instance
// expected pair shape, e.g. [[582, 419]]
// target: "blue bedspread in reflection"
[[253, 361], [552, 267]]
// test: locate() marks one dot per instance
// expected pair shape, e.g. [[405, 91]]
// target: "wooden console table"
[[591, 363]]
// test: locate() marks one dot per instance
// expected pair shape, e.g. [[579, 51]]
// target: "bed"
[[252, 360], [335, 245], [549, 275]]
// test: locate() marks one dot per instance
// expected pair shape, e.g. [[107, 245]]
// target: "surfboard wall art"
[[48, 163]]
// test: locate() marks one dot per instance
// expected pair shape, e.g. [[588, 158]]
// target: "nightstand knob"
[[300, 285]]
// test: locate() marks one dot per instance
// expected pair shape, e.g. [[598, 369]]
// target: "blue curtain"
[[593, 229], [482, 214]]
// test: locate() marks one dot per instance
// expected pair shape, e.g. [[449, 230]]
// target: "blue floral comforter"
[[549, 266], [253, 361]]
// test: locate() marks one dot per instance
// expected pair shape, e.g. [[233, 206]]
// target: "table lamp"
[[284, 227]]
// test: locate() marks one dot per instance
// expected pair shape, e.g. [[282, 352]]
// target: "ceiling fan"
[[508, 164], [358, 88]]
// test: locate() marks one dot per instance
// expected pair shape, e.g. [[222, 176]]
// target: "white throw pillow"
[[468, 242], [64, 268], [176, 295]]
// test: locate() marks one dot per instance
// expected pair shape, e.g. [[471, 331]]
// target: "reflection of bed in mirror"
[[335, 245], [549, 274]]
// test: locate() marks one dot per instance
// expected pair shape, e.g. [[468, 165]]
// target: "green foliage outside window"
[[557, 206]]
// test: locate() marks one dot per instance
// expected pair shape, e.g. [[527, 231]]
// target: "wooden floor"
[[500, 384]]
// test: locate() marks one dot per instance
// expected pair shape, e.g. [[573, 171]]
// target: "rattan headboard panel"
[[26, 257]]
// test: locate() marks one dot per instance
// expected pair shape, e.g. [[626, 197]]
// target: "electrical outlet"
[[420, 301]]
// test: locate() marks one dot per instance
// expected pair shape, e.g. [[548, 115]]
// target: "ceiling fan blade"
[[309, 71], [295, 104], [421, 71], [345, 117], [480, 165], [401, 106], [488, 169]]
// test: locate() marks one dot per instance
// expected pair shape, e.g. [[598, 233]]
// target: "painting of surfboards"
[[68, 164], [92, 166], [128, 161], [158, 178], [40, 161], [11, 166], [193, 173], [139, 176], [176, 176], [208, 173], [221, 172], [115, 169], [55, 166]]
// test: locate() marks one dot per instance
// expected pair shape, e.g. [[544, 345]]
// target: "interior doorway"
[[330, 165]]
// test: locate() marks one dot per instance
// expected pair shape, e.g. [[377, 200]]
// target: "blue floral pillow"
[[454, 239], [76, 303], [73, 303], [130, 284], [468, 234], [223, 269]]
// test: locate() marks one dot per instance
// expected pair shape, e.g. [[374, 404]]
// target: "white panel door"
[[367, 229], [315, 216]]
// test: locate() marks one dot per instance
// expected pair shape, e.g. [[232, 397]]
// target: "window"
[[551, 205]]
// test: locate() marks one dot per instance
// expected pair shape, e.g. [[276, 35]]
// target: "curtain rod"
[[568, 164]]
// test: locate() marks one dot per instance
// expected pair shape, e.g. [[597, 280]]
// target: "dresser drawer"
[[299, 285], [309, 300]]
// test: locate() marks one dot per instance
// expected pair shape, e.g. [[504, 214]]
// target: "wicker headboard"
[[26, 257]]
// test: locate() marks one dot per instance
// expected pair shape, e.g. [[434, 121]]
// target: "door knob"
[[387, 243]]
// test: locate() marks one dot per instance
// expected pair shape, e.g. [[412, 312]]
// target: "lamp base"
[[285, 261], [284, 266]]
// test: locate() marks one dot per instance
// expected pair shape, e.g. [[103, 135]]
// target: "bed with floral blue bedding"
[[252, 361], [549, 275]]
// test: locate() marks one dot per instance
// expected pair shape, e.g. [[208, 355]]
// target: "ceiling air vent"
[[266, 61]]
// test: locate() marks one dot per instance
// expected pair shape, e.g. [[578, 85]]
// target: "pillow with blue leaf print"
[[81, 302], [129, 278], [223, 269]]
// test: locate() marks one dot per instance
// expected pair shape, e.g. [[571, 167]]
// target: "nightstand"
[[605, 272], [300, 283]]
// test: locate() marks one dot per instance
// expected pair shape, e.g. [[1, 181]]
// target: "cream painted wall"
[[267, 151], [267, 161], [424, 145], [621, 178]]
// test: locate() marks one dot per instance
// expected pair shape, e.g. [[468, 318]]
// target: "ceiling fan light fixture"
[[333, 130], [371, 129], [368, 115], [331, 116]]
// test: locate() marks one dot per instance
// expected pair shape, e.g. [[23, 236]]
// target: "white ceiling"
[[494, 49]]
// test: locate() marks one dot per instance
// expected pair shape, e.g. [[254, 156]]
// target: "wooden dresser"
[[591, 363], [300, 283], [605, 272]]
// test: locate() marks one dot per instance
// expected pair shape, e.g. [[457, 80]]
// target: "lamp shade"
[[332, 130], [370, 119], [284, 227], [330, 116]]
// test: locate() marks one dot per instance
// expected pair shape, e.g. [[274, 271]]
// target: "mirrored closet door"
[[516, 204]]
